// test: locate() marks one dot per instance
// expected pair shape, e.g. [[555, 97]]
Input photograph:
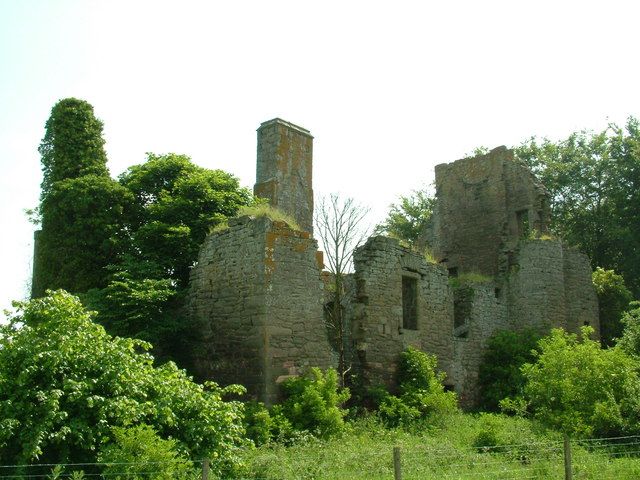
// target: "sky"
[[388, 89]]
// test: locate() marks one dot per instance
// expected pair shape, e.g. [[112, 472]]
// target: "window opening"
[[409, 303], [522, 219]]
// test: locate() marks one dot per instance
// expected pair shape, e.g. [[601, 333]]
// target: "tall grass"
[[460, 446]]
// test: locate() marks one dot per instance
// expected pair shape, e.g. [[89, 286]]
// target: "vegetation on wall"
[[81, 207]]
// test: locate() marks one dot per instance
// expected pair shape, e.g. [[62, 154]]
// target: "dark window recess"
[[409, 303], [453, 271], [522, 219]]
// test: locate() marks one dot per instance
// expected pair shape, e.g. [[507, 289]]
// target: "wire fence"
[[596, 458]]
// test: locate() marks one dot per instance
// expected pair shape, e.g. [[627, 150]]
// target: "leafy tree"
[[65, 383], [613, 301], [72, 146], [594, 182], [82, 220], [408, 219], [176, 204], [500, 374], [581, 389], [80, 205]]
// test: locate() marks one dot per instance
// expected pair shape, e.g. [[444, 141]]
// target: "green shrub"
[[258, 423], [138, 453], [65, 383], [579, 388], [500, 375], [630, 341], [488, 435], [422, 395], [314, 403]]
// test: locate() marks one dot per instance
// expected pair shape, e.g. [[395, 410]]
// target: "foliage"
[[422, 395], [272, 213], [176, 204], [467, 278], [613, 301], [81, 233], [173, 205], [65, 383], [314, 402], [522, 450], [80, 207], [630, 340], [500, 374], [136, 451], [594, 183], [408, 219], [72, 146], [581, 389]]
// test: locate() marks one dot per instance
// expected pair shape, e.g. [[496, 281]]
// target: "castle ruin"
[[257, 288]]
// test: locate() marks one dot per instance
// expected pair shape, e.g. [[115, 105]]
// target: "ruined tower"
[[283, 173]]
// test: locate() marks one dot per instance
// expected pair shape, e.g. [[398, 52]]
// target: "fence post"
[[397, 468], [205, 469], [568, 475]]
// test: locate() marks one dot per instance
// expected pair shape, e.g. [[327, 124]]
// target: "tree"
[[630, 339], [80, 205], [613, 301], [65, 384], [176, 204], [581, 389], [594, 184], [339, 223], [408, 219], [72, 146], [82, 221]]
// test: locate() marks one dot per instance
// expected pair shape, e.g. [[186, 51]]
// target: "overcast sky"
[[388, 89]]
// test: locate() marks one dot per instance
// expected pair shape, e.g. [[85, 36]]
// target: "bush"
[[581, 389], [630, 341], [138, 453], [65, 383], [314, 403], [422, 394], [500, 376]]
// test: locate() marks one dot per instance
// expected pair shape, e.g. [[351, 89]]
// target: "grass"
[[469, 278], [262, 210], [452, 449]]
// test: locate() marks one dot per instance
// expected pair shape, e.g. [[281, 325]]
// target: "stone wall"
[[257, 295], [284, 169], [550, 286], [378, 332], [536, 297], [580, 295], [483, 314], [484, 205]]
